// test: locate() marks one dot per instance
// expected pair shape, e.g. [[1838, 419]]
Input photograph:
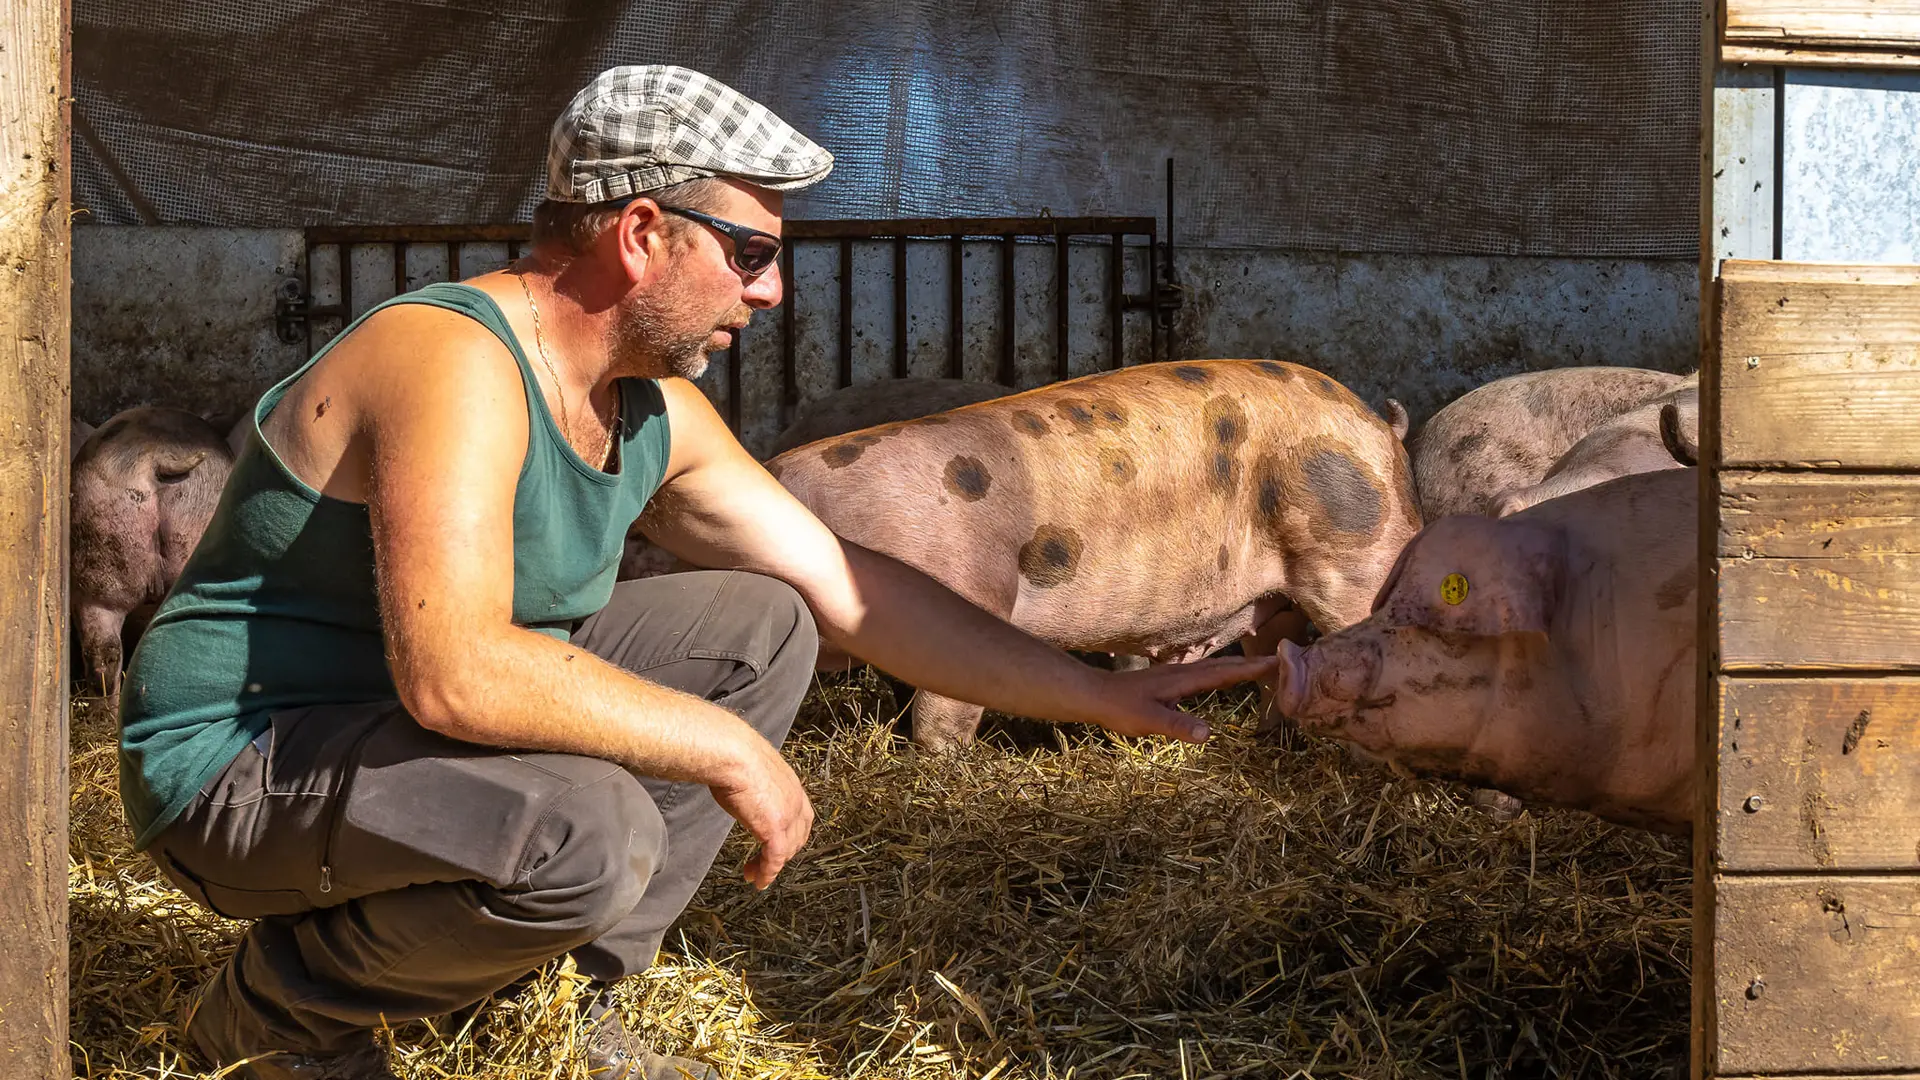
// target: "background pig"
[[144, 487], [77, 437], [1549, 654], [872, 404], [1510, 432], [1163, 510], [1632, 442]]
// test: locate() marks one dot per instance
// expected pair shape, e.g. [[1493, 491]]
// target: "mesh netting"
[[1537, 127]]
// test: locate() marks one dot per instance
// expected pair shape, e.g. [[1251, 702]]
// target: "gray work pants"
[[395, 873]]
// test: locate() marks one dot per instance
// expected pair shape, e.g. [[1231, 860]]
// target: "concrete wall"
[[185, 316], [1426, 329], [178, 316]]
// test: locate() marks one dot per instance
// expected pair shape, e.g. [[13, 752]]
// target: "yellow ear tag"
[[1453, 588]]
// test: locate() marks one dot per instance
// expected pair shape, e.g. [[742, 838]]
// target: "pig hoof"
[[1497, 805]]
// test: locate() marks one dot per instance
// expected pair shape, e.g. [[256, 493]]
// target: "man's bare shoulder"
[[695, 424], [413, 351]]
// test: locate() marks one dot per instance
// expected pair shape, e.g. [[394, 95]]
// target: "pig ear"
[[1523, 593], [1481, 578]]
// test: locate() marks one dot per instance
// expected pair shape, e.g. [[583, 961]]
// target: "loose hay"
[[1086, 908]]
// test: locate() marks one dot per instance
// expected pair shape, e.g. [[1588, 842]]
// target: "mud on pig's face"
[[1457, 634]]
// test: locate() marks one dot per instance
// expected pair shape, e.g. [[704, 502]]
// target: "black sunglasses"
[[753, 250]]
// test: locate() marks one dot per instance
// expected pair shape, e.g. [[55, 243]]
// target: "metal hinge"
[[291, 307]]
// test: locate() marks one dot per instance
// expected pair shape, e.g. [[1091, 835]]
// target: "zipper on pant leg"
[[339, 807]]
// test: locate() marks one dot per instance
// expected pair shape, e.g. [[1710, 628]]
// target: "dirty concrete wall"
[[185, 316], [1426, 328], [178, 316]]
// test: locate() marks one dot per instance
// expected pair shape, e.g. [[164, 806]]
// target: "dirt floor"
[[1052, 903]]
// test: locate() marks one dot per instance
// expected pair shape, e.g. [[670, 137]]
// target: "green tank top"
[[276, 610]]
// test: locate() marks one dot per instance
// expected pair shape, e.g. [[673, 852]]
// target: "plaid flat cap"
[[639, 128]]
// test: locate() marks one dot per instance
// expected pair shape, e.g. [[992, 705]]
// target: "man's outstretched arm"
[[719, 507]]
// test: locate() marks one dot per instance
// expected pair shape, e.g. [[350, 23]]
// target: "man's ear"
[[639, 238]]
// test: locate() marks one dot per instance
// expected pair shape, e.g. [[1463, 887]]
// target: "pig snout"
[[1322, 686]]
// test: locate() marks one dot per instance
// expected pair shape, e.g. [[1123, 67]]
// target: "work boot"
[[614, 1054], [224, 1037]]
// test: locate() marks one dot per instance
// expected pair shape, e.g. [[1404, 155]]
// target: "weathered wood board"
[[1817, 974], [1858, 613], [1818, 515], [1890, 23], [1819, 774], [1786, 308], [1796, 56], [1856, 409]]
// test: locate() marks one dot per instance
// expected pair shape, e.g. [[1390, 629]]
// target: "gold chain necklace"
[[566, 421]]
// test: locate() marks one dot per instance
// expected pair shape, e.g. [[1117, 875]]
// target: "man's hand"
[[764, 795], [1142, 702]]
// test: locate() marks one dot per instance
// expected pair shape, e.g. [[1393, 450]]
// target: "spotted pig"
[[872, 404], [1163, 510], [1549, 654], [848, 409]]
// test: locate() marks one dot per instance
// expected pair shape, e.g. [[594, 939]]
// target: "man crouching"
[[398, 712]]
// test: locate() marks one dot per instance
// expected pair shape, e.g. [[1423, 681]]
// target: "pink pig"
[[1549, 654]]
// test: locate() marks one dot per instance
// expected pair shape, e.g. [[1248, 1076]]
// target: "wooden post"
[[35, 76]]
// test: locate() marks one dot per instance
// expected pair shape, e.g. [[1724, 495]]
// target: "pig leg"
[[99, 631], [942, 724], [1122, 662]]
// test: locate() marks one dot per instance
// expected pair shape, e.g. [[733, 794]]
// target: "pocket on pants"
[[226, 900]]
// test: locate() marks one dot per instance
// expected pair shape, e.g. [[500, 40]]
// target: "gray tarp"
[[1540, 127]]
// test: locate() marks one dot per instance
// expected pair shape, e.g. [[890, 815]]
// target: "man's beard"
[[651, 337]]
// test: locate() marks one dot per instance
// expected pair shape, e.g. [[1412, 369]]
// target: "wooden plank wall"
[[1823, 33], [1811, 464]]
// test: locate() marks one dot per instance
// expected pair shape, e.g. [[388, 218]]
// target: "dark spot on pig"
[[1276, 368], [1676, 589], [1222, 560], [847, 451], [967, 478], [1077, 414], [1267, 485], [320, 410], [1227, 426], [936, 418], [1117, 467], [1029, 423], [1222, 473], [1051, 557], [1190, 374], [1112, 414], [1226, 421], [1346, 493], [1468, 443], [842, 454]]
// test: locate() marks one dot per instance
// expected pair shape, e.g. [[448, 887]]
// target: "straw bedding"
[[1052, 903]]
